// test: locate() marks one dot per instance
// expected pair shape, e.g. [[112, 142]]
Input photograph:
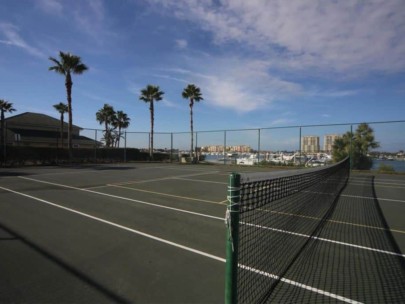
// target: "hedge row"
[[39, 155]]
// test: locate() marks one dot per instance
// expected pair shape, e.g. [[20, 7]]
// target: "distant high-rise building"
[[310, 144], [328, 142], [220, 149]]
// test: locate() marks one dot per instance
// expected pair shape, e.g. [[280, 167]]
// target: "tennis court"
[[155, 233]]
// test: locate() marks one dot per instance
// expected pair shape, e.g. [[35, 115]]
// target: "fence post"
[[95, 145], [195, 147], [224, 147], [232, 239], [171, 147], [351, 148], [300, 147], [125, 146], [149, 146], [5, 143], [57, 144], [258, 148]]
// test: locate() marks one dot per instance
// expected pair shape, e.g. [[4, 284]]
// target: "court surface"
[[155, 233]]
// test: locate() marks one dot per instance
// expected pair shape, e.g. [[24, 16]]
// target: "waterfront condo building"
[[328, 142], [310, 144]]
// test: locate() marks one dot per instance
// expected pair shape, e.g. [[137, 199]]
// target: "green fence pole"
[[258, 147], [224, 147], [171, 147], [351, 148], [125, 147], [232, 239]]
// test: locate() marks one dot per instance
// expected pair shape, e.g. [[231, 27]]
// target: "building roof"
[[36, 119]]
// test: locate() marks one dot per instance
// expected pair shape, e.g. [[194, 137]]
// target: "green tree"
[[121, 121], [106, 116], [67, 65], [5, 107], [62, 108], [193, 94], [359, 144], [150, 94]]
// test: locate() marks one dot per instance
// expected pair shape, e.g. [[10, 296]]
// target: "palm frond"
[[6, 107], [151, 93], [192, 92], [61, 107]]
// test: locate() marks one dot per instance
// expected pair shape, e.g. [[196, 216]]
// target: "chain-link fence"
[[309, 145]]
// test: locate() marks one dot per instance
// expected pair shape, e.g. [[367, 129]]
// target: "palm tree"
[[120, 122], [364, 138], [150, 94], [62, 108], [192, 93], [67, 65], [106, 115], [5, 107], [357, 145]]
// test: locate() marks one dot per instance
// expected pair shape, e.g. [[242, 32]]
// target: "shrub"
[[383, 168]]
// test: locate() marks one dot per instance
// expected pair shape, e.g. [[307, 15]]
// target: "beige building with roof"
[[40, 130]]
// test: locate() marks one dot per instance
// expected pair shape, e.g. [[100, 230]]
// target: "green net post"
[[232, 222]]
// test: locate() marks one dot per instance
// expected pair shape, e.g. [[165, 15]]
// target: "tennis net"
[[271, 217]]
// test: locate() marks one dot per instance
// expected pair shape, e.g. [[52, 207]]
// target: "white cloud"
[[281, 121], [12, 38], [89, 17], [170, 104], [342, 36], [238, 84], [164, 76], [181, 43], [332, 93], [50, 6]]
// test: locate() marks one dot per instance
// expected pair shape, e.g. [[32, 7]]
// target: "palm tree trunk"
[[192, 131], [151, 130], [69, 84]]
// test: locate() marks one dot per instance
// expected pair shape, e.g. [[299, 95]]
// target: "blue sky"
[[258, 63]]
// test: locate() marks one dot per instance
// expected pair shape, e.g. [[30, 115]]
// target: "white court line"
[[330, 221], [117, 225], [125, 198], [164, 194], [378, 180], [373, 198], [300, 285], [199, 180], [382, 185], [202, 253], [324, 240], [163, 178], [213, 217]]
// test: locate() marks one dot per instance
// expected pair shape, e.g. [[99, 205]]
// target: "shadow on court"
[[13, 173], [31, 264]]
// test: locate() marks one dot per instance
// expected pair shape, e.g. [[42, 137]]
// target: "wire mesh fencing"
[[305, 145]]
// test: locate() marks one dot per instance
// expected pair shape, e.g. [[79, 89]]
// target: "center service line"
[[284, 280]]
